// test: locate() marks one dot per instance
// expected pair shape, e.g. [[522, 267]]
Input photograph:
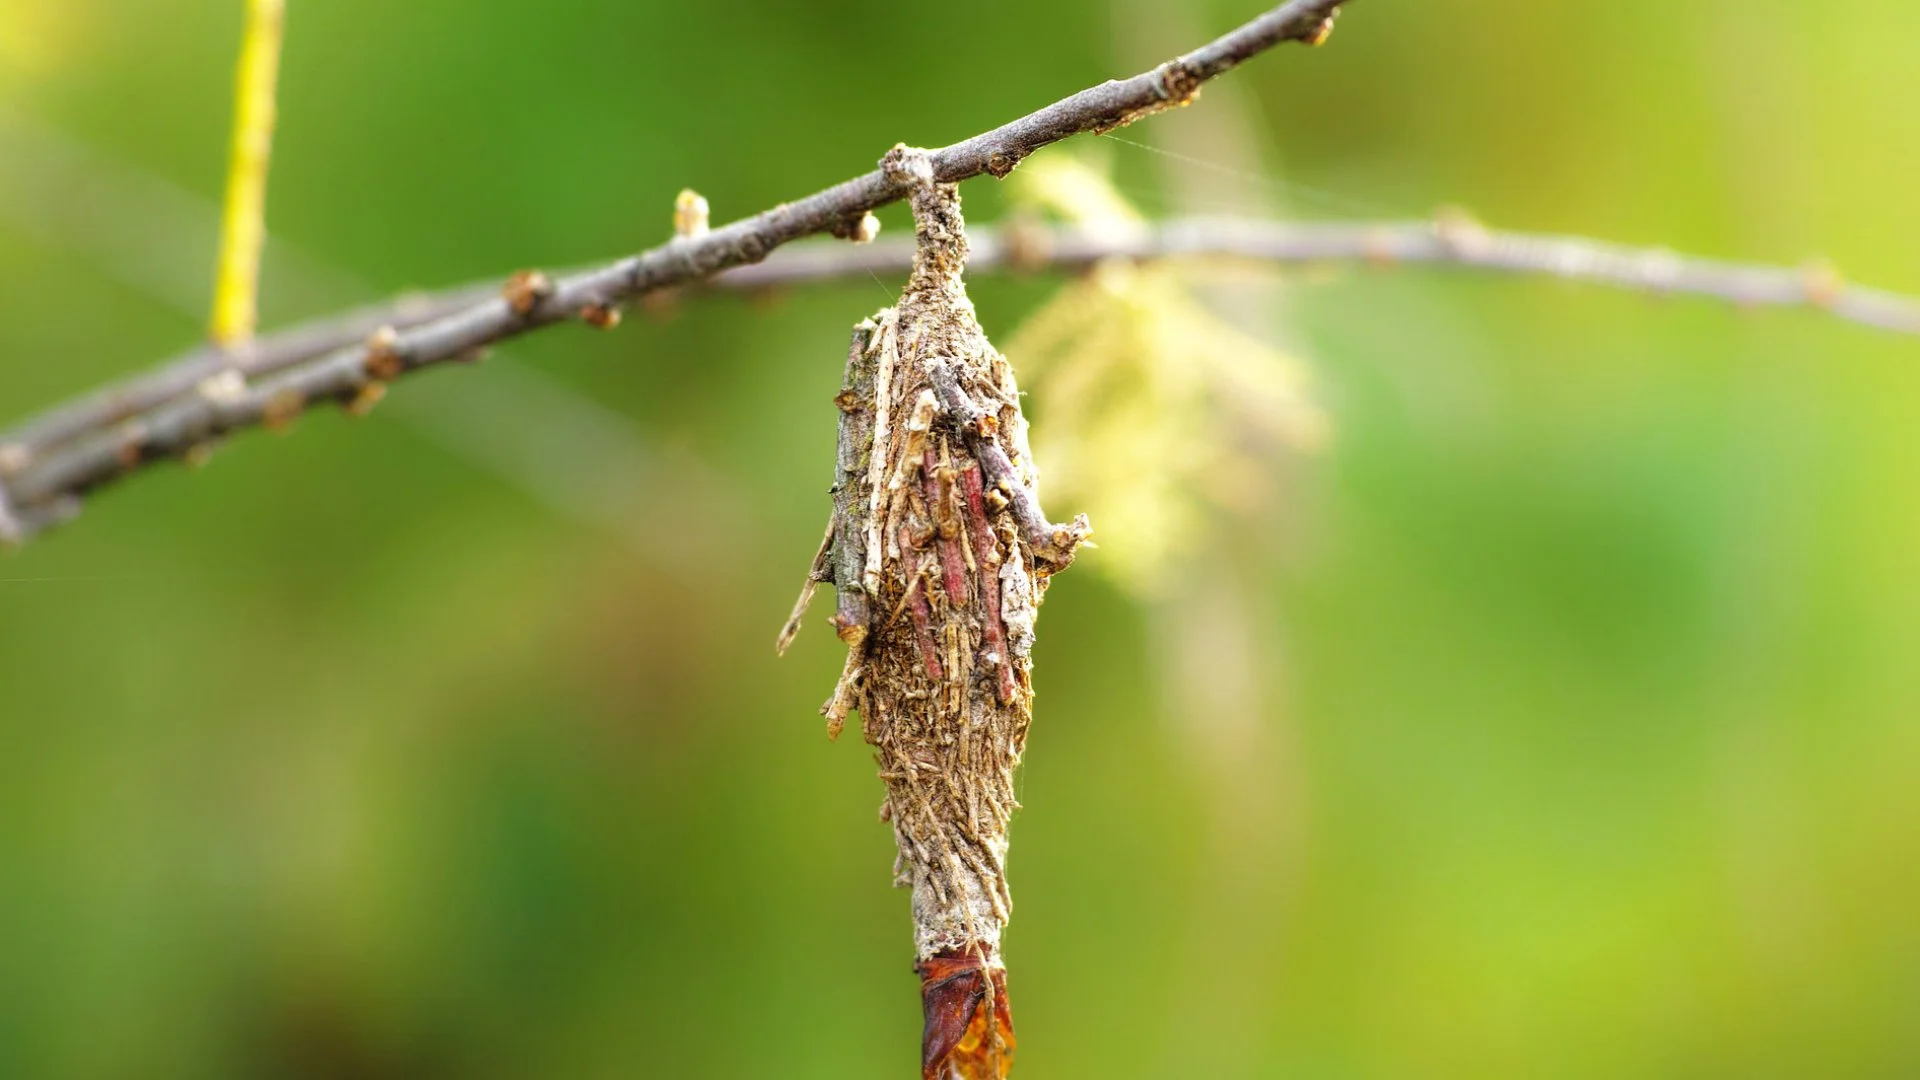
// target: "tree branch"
[[178, 408], [1035, 247], [1449, 241], [838, 210], [68, 453]]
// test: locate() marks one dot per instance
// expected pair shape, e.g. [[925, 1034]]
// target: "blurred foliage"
[[1153, 409], [368, 752]]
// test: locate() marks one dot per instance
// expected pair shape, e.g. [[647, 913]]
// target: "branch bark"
[[63, 455]]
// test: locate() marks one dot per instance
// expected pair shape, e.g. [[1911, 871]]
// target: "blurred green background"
[[1557, 719]]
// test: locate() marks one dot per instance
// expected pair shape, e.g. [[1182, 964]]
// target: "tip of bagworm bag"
[[969, 1024], [1318, 36]]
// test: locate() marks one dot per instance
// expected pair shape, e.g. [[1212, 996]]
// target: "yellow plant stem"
[[243, 223]]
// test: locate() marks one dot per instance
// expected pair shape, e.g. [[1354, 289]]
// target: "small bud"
[[383, 360], [600, 316], [1178, 82], [1823, 283], [365, 398], [198, 455], [1319, 34], [524, 291], [1458, 229], [133, 444], [690, 212], [225, 388], [282, 409], [861, 230]]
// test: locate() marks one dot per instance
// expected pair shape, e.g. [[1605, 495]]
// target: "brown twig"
[[1051, 543], [65, 454], [261, 356]]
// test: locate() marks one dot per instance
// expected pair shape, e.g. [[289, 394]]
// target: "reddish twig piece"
[[1047, 541]]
